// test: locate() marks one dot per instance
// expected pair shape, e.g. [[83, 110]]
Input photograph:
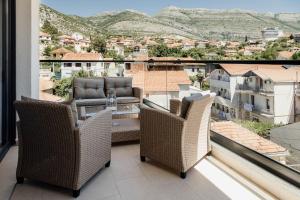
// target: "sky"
[[151, 7]]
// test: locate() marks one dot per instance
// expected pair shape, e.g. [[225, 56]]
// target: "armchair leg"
[[143, 158], [20, 180], [183, 175], [107, 164], [76, 193]]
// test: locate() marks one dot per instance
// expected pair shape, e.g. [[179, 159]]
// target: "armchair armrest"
[[175, 106], [94, 145], [138, 93]]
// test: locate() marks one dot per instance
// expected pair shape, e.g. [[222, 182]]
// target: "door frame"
[[8, 115]]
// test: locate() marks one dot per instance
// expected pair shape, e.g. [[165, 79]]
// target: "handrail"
[[275, 62]]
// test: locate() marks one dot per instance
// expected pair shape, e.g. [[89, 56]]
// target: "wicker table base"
[[128, 129]]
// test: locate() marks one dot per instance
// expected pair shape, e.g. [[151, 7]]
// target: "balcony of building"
[[235, 166], [255, 89]]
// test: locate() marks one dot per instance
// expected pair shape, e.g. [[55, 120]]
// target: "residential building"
[[77, 36], [118, 47], [45, 37], [226, 81], [263, 92], [82, 45], [60, 53], [46, 74], [297, 37], [68, 68], [160, 81], [271, 34]]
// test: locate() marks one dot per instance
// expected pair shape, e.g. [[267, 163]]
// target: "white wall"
[[234, 82], [284, 103], [27, 48]]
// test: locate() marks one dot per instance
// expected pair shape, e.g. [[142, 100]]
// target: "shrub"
[[260, 128], [63, 86]]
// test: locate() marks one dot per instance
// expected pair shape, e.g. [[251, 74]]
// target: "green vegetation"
[[296, 56], [62, 87], [48, 28], [260, 128], [162, 50], [199, 77], [99, 44], [113, 54]]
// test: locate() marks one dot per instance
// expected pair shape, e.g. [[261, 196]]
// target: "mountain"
[[196, 23]]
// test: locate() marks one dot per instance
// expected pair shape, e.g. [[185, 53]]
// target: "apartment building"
[[160, 81], [269, 95], [240, 97], [70, 65]]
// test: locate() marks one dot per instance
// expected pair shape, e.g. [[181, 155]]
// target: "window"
[[77, 64], [67, 64], [88, 65], [128, 66], [268, 104], [252, 100]]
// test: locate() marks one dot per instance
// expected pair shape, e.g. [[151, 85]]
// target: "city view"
[[248, 107]]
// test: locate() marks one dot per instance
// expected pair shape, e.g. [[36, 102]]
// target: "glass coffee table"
[[121, 111], [125, 123]]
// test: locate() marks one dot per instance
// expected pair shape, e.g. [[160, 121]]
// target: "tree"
[[49, 28], [195, 53], [47, 51], [113, 54], [98, 44], [296, 56], [63, 86]]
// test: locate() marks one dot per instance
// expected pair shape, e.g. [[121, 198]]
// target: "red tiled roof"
[[247, 138], [158, 81], [82, 56], [241, 69], [61, 51]]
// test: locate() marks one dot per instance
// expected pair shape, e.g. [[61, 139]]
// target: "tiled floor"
[[129, 179]]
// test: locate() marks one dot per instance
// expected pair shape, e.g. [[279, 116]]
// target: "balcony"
[[258, 112], [128, 178], [232, 169], [246, 89], [220, 83]]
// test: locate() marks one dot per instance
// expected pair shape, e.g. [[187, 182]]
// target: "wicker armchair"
[[175, 141], [55, 151]]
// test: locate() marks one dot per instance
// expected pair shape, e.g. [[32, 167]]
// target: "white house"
[[80, 61], [77, 36], [297, 37], [45, 37], [232, 87], [269, 95]]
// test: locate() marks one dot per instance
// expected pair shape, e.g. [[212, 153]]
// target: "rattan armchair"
[[52, 149], [175, 141]]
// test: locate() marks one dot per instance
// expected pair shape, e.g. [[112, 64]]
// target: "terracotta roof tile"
[[247, 138], [61, 51], [82, 56], [241, 69]]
